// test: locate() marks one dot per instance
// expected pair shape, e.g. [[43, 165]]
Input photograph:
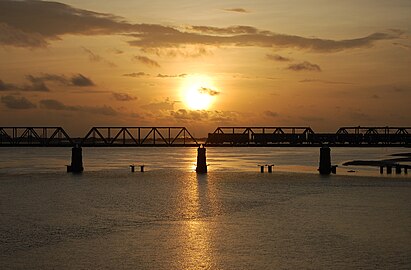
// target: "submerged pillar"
[[389, 169], [201, 160], [325, 160], [262, 168], [398, 169], [270, 168], [405, 169], [76, 160]]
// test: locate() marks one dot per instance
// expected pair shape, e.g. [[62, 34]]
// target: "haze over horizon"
[[323, 64]]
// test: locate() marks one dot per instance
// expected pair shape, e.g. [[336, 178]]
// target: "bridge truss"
[[222, 136], [139, 136]]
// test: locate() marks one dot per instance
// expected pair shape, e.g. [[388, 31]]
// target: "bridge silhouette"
[[222, 136]]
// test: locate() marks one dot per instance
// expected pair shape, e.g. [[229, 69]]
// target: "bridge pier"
[[76, 160], [201, 160], [325, 160]]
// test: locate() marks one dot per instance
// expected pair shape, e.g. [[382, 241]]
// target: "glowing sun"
[[199, 92]]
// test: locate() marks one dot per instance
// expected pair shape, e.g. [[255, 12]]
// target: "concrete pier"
[[270, 168], [389, 169], [325, 160], [397, 169], [201, 160], [76, 160]]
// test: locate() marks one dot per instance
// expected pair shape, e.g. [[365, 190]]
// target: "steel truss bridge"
[[222, 136]]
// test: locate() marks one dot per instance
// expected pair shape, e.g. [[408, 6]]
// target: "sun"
[[198, 92]]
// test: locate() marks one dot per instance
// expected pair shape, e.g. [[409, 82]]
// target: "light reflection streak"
[[196, 231]]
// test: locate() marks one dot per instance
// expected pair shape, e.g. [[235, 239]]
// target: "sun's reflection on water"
[[197, 235]]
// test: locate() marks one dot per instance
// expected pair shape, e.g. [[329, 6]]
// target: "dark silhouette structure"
[[201, 160], [76, 160], [222, 136], [325, 160]]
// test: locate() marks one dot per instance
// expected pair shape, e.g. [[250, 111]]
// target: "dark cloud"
[[123, 97], [165, 105], [304, 66], [250, 36], [404, 46], [8, 86], [147, 61], [208, 91], [240, 10], [278, 58], [184, 51], [36, 23], [93, 57], [136, 74], [237, 29], [322, 81], [196, 116], [81, 80], [270, 114], [35, 86], [52, 104], [38, 82], [17, 103], [171, 76]]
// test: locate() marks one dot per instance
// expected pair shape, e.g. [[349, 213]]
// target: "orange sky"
[[324, 64]]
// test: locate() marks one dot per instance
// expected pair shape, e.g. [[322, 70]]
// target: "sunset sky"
[[203, 64]]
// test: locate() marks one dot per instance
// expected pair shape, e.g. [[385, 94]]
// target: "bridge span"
[[168, 136]]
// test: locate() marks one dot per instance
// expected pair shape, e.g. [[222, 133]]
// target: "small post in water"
[[132, 168], [201, 160], [261, 168], [142, 168]]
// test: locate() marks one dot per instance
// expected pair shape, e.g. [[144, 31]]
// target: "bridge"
[[222, 136]]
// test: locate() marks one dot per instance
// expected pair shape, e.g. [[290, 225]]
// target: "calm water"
[[170, 218]]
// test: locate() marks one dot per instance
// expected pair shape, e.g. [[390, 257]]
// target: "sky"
[[204, 64]]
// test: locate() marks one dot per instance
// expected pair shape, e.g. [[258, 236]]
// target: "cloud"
[[35, 86], [304, 66], [136, 74], [183, 115], [52, 104], [8, 86], [237, 29], [171, 76], [165, 105], [75, 80], [240, 10], [278, 58], [123, 97], [208, 91], [36, 23], [81, 80], [404, 46], [270, 114], [147, 61], [97, 58], [17, 103], [322, 81], [186, 51]]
